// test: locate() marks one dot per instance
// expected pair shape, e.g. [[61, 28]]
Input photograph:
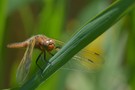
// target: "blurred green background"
[[60, 19]]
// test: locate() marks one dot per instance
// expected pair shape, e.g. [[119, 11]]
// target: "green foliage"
[[3, 11]]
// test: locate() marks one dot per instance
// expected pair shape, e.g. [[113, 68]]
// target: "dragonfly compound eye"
[[50, 47]]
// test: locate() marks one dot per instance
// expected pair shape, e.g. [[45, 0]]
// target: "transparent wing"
[[24, 66], [58, 44], [85, 60]]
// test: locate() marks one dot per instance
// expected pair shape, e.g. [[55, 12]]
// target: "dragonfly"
[[47, 45]]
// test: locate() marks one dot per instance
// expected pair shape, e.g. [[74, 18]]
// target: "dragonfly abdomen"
[[18, 45]]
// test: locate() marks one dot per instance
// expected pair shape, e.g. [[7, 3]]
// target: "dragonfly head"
[[49, 45]]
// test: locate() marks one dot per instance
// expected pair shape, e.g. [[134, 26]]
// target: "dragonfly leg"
[[48, 66], [51, 54], [45, 58], [37, 61]]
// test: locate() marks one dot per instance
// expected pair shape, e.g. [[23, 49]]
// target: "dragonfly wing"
[[24, 66], [58, 44], [85, 61]]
